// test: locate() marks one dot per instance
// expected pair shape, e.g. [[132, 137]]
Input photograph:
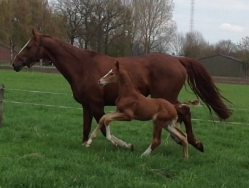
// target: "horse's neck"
[[65, 57], [126, 85]]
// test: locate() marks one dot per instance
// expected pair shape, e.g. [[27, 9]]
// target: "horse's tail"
[[203, 86]]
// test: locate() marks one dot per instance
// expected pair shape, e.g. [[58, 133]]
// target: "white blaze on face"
[[107, 73], [102, 81], [24, 47]]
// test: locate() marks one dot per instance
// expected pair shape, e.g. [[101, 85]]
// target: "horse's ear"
[[117, 64], [34, 34]]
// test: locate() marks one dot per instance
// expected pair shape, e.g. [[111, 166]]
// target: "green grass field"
[[41, 145]]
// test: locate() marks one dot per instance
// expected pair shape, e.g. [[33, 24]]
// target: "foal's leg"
[[184, 115], [93, 135], [118, 117], [171, 127], [121, 143], [97, 129], [178, 125], [98, 112], [115, 141], [157, 131]]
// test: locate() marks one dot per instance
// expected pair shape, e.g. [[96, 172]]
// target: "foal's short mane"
[[123, 71], [44, 35]]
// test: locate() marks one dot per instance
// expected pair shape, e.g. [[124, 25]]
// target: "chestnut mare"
[[157, 75], [131, 104]]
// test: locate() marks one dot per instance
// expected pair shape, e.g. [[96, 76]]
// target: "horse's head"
[[111, 76], [29, 54]]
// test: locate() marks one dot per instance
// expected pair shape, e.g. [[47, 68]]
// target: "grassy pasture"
[[41, 146]]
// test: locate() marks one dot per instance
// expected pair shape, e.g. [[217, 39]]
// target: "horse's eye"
[[28, 47], [111, 74]]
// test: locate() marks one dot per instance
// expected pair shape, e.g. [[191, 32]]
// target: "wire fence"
[[69, 107]]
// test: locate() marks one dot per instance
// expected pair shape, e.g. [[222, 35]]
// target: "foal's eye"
[[111, 74], [28, 47]]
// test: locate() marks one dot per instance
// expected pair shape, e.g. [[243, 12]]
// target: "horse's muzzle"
[[17, 68], [101, 84]]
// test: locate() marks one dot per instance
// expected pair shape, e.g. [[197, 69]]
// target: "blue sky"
[[215, 19]]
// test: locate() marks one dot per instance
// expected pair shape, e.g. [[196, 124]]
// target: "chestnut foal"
[[133, 105]]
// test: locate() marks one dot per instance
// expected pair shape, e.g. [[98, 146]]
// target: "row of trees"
[[18, 17], [194, 45], [113, 27], [118, 27]]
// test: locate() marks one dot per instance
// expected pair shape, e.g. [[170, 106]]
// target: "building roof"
[[226, 56]]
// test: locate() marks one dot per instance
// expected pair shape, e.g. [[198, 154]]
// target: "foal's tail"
[[203, 86]]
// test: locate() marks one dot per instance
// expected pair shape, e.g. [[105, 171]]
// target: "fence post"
[[1, 104]]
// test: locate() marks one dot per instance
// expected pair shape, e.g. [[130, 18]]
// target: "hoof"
[[199, 146], [84, 141], [87, 143], [131, 147]]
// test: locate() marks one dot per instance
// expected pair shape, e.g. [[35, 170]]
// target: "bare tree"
[[226, 47], [176, 45], [154, 22], [69, 9], [86, 32], [17, 18], [243, 53], [194, 45], [244, 44]]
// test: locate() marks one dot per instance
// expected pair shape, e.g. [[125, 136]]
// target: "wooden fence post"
[[1, 104]]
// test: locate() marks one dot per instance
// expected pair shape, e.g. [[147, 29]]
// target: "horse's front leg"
[[87, 122], [184, 115]]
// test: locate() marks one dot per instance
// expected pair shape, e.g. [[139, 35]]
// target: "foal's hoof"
[[131, 147], [200, 147], [88, 143], [84, 142]]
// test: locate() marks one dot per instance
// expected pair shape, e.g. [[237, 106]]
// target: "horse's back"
[[157, 74]]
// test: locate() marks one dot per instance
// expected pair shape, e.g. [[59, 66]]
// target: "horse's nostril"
[[16, 67]]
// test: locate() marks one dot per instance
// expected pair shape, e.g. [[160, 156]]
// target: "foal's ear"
[[117, 64], [34, 34]]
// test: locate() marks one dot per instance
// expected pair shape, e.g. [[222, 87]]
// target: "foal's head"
[[111, 77], [29, 54]]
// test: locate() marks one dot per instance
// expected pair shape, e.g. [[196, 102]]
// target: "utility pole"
[[192, 16]]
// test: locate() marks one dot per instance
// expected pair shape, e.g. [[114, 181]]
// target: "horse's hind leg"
[[184, 115], [157, 131], [171, 127]]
